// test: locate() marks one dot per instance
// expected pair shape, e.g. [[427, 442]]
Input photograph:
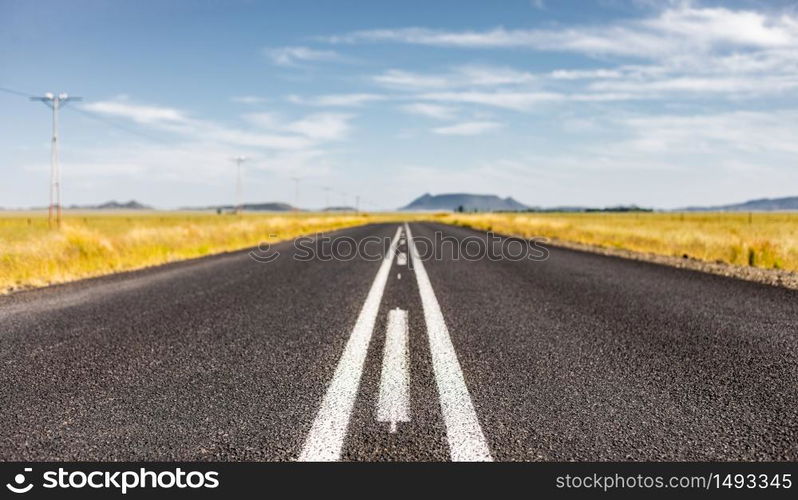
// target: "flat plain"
[[93, 243]]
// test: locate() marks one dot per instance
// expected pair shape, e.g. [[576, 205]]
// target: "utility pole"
[[357, 204], [326, 198], [55, 102], [296, 193], [239, 186]]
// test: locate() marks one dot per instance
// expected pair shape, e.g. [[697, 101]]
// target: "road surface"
[[578, 357]]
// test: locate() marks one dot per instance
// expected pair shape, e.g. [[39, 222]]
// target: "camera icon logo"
[[19, 483]]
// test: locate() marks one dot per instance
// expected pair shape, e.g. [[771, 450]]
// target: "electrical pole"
[[326, 198], [239, 186], [357, 204], [55, 102], [296, 193]]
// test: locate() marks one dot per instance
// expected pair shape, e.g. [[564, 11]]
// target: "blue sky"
[[660, 104]]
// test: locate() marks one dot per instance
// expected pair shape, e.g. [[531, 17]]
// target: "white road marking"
[[393, 404], [326, 437], [463, 432], [398, 276], [401, 259]]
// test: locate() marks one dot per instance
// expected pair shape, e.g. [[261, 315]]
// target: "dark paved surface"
[[580, 357]]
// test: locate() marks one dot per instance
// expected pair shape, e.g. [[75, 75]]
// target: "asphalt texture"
[[578, 357]]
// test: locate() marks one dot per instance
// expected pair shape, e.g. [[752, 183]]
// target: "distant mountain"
[[113, 205], [577, 208], [759, 205], [268, 207], [252, 207], [465, 202], [339, 209]]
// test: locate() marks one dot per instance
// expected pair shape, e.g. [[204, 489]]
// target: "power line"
[[16, 92], [94, 116], [55, 181], [119, 126]]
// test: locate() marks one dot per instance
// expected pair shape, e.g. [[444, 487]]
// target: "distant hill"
[[113, 205], [252, 207], [268, 207], [464, 201], [759, 205], [339, 209]]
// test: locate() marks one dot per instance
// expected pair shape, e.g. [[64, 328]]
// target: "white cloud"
[[498, 37], [196, 154], [494, 75], [301, 134], [430, 110], [710, 26], [186, 163], [292, 56], [137, 113], [752, 85], [237, 137], [680, 50], [468, 128], [518, 101], [406, 79], [249, 99], [323, 126], [682, 29], [522, 100], [720, 134], [582, 74], [462, 76], [337, 100], [263, 119], [320, 127]]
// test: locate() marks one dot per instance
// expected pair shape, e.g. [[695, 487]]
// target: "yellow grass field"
[[765, 240], [92, 244]]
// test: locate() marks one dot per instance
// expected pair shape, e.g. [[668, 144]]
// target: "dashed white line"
[[401, 259], [393, 404], [466, 441], [326, 437]]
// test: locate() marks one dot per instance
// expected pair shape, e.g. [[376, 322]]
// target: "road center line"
[[326, 437], [463, 432], [393, 404]]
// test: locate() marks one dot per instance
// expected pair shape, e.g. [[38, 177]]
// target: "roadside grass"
[[92, 244], [764, 240]]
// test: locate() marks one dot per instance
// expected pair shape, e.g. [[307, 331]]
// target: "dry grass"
[[765, 240], [92, 244]]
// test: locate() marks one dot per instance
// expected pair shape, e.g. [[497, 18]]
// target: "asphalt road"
[[578, 357]]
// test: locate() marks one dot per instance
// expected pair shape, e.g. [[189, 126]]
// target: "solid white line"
[[326, 437], [393, 404], [401, 259], [463, 432]]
